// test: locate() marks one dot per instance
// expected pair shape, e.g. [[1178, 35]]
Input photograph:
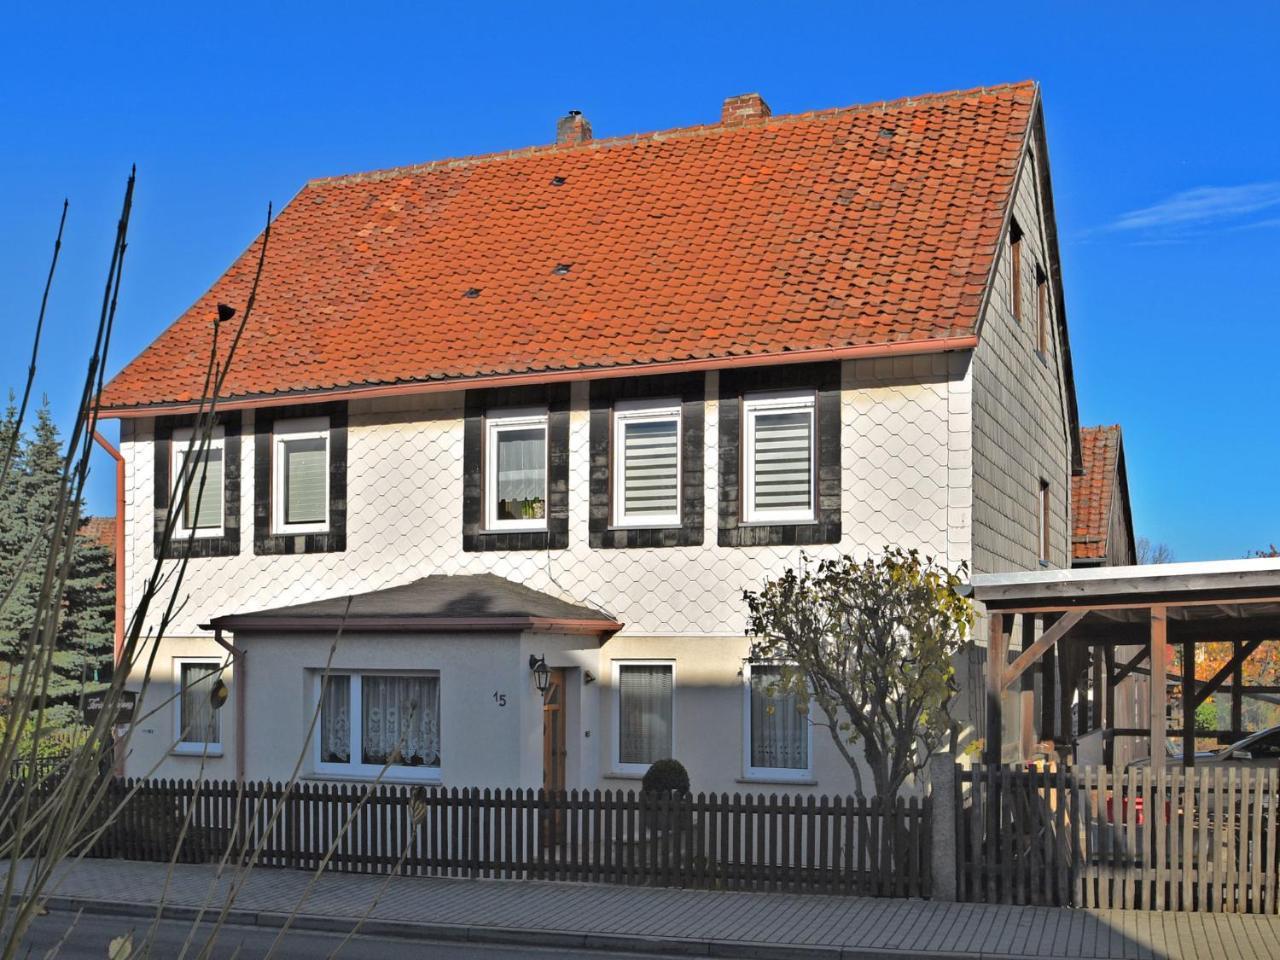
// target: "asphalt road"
[[88, 937]]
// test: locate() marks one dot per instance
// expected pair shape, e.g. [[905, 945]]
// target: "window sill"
[[297, 531], [769, 522], [622, 775], [806, 781], [433, 780], [195, 751]]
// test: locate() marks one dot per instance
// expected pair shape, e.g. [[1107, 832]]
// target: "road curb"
[[511, 936]]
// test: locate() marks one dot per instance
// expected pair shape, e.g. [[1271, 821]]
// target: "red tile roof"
[[101, 530], [819, 231], [1093, 491]]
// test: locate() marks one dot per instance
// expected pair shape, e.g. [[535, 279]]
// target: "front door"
[[554, 747]]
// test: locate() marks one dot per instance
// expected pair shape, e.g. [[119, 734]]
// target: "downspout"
[[241, 690], [119, 545]]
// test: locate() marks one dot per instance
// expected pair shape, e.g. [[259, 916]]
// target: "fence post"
[[943, 854]]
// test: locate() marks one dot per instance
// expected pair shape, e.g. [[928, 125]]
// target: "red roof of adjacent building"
[[101, 530], [796, 234], [1093, 492]]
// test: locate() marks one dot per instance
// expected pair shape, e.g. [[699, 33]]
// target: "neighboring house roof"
[[1101, 489], [101, 530], [808, 236], [437, 603]]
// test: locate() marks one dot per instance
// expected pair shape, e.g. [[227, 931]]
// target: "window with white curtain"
[[646, 464], [300, 475], [198, 728], [201, 511], [374, 722], [778, 454], [643, 714], [776, 740], [516, 470]]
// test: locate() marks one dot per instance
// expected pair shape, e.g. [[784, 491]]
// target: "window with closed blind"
[[300, 476], [646, 464], [643, 714], [198, 472], [778, 457]]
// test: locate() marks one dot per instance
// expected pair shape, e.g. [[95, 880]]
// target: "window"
[[646, 464], [198, 728], [778, 457], [202, 510], [1042, 312], [1043, 522], [1015, 270], [642, 714], [516, 470], [300, 476], [776, 740], [371, 722]]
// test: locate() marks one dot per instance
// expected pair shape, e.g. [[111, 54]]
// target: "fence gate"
[[1170, 839]]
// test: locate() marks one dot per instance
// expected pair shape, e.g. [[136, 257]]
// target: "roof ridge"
[[672, 133]]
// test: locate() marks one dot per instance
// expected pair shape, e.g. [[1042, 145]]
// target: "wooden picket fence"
[[1167, 839], [717, 841]]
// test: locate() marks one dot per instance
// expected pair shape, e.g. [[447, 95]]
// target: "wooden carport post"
[[1159, 693], [1188, 703], [997, 657]]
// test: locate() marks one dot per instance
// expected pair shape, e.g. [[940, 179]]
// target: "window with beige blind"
[[300, 476], [201, 507]]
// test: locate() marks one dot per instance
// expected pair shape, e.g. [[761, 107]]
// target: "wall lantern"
[[541, 675]]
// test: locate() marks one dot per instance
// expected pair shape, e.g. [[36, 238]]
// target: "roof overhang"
[[246, 623], [701, 364]]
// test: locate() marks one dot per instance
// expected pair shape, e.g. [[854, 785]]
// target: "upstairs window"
[[1042, 312], [646, 464], [778, 453], [1044, 516], [300, 495], [1015, 270], [516, 470], [201, 512]]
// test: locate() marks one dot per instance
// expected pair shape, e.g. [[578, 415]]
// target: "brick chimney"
[[573, 127], [744, 108]]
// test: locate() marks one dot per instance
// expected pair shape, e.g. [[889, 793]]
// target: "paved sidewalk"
[[689, 922]]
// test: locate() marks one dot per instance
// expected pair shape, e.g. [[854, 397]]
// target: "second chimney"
[[573, 127], [743, 108]]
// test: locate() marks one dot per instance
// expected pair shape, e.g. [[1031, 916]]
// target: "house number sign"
[[499, 698]]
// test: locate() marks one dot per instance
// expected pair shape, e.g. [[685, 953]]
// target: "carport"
[[1084, 635]]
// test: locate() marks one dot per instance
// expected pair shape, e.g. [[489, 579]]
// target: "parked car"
[[1261, 749]]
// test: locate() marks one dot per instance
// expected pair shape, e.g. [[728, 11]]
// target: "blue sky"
[[1162, 135]]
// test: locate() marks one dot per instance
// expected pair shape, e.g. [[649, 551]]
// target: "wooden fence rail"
[[717, 841], [1164, 839]]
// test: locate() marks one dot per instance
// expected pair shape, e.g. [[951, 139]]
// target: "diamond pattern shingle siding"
[[828, 230]]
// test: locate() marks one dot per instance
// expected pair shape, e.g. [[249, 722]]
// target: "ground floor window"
[[372, 721], [198, 727], [777, 736], [643, 714]]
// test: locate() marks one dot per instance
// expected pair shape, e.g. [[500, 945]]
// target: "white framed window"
[[777, 738], [515, 488], [197, 726], [643, 713], [646, 464], [300, 475], [779, 451], [201, 512], [375, 722]]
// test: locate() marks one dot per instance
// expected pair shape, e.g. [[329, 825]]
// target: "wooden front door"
[[554, 747]]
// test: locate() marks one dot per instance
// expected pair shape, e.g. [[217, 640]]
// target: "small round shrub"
[[666, 776]]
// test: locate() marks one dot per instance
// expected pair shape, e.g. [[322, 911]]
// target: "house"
[[558, 407], [1102, 524]]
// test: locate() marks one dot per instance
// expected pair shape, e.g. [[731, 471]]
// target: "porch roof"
[[434, 604]]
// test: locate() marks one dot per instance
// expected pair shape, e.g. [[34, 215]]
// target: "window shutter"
[[305, 463], [644, 700], [209, 515], [651, 478], [783, 458]]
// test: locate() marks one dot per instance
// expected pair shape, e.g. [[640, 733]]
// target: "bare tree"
[[1149, 552]]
